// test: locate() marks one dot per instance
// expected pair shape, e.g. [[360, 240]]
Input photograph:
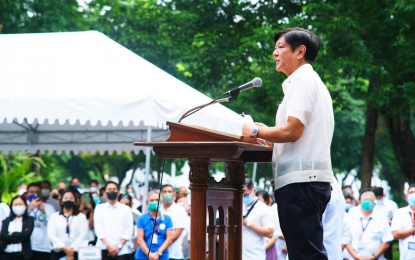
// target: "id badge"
[[155, 239], [411, 245], [37, 224]]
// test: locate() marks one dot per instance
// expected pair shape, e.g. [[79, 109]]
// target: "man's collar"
[[409, 209], [298, 72], [361, 216], [115, 205]]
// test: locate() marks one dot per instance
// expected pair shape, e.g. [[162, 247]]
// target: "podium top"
[[188, 141]]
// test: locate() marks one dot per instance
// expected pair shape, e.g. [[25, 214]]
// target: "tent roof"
[[84, 81]]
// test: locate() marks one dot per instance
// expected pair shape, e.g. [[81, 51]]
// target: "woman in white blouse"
[[67, 229], [16, 232]]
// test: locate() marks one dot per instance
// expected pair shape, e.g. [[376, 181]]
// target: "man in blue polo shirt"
[[162, 237]]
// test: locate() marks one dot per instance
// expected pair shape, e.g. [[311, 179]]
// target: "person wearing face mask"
[[16, 231], [349, 201], [46, 187], [41, 212], [136, 202], [67, 229], [61, 187], [93, 186], [75, 183], [370, 233], [258, 224], [403, 226], [162, 237], [347, 191], [113, 223], [178, 216], [384, 206]]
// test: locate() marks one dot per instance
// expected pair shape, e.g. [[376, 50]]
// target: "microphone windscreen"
[[257, 82]]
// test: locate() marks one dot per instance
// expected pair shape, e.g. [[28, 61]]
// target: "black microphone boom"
[[255, 83]]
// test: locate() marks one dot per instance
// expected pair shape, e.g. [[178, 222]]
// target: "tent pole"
[[148, 155], [254, 173]]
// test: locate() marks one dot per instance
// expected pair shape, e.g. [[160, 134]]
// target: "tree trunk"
[[368, 147], [34, 166], [403, 143]]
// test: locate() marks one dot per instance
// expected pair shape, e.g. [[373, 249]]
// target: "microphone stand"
[[229, 99]]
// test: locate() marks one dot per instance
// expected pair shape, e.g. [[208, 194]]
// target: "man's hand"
[[245, 221], [35, 203], [112, 250], [284, 250], [42, 207], [69, 252], [247, 129], [154, 256]]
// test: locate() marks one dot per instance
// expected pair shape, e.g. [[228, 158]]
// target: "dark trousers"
[[59, 255], [11, 256], [36, 255], [300, 209], [120, 257]]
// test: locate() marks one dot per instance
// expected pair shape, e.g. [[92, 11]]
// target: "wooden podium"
[[209, 197]]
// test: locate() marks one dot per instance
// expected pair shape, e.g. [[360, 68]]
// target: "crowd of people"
[[43, 223]]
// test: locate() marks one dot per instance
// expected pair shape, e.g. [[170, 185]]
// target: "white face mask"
[[19, 210], [45, 193], [93, 189]]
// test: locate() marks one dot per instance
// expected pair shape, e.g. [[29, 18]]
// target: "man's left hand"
[[245, 221]]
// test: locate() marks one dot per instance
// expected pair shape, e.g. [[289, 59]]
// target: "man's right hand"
[[35, 203], [112, 250]]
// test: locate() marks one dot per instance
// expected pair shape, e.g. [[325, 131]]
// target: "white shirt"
[[346, 237], [308, 159], [385, 208], [402, 220], [57, 231], [333, 222], [253, 246], [178, 216], [54, 203], [5, 208], [3, 216], [113, 223], [15, 226], [39, 239], [377, 231]]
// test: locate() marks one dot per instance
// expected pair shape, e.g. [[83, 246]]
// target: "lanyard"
[[35, 213], [364, 228], [250, 209], [68, 225], [157, 227]]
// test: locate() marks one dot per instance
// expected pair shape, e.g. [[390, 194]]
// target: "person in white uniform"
[[403, 226], [370, 233], [258, 224], [178, 216], [113, 223]]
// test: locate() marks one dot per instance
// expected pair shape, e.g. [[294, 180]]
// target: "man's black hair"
[[249, 184], [166, 185], [378, 191], [296, 37], [47, 182], [411, 186], [264, 194], [33, 184], [109, 182], [93, 181], [348, 197]]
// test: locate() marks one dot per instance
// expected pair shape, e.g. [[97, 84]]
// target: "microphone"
[[255, 83]]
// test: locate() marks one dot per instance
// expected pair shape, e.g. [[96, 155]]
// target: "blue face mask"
[[248, 199], [411, 199], [368, 205], [348, 206], [96, 200]]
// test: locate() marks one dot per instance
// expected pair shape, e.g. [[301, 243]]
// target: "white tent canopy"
[[81, 91]]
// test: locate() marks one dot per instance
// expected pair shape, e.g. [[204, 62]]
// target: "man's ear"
[[254, 191], [301, 51]]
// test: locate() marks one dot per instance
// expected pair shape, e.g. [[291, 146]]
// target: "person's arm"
[[55, 242], [168, 241], [402, 234], [176, 234], [140, 241], [270, 243], [91, 219], [352, 252], [382, 248], [290, 132], [5, 236], [83, 230], [259, 230], [27, 232]]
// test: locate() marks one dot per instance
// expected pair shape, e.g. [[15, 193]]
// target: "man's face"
[[166, 190], [93, 184], [61, 186], [367, 197], [75, 182], [152, 198], [182, 190], [32, 190], [45, 186], [285, 58], [349, 201], [410, 191], [111, 187], [248, 192], [380, 197]]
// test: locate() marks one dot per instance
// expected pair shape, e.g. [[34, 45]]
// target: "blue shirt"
[[146, 222]]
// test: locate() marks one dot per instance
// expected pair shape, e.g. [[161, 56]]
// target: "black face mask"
[[61, 191], [68, 204], [112, 195]]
